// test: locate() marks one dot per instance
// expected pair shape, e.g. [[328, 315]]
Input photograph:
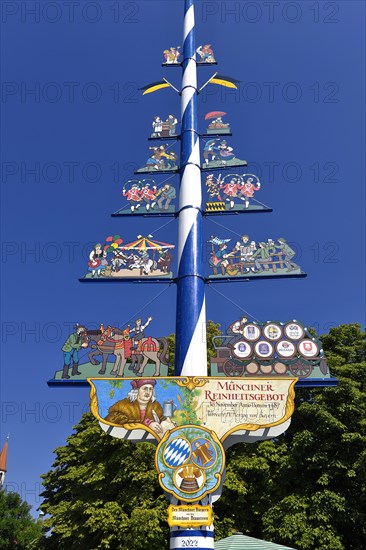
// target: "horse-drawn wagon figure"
[[124, 346], [268, 349], [114, 351]]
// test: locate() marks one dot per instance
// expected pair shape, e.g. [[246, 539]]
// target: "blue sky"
[[298, 118]]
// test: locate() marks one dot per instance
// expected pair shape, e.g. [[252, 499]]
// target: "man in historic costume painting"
[[246, 248], [133, 196], [288, 253], [140, 406], [148, 196], [232, 190], [157, 125], [77, 340], [263, 257], [236, 330], [167, 194], [172, 123], [97, 260], [247, 190], [139, 330], [219, 258]]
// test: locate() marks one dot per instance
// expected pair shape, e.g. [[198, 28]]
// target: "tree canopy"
[[18, 530], [306, 489]]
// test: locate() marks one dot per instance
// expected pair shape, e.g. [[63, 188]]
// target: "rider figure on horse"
[[138, 331]]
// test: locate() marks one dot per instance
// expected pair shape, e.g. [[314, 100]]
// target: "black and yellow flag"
[[154, 86], [226, 81], [221, 80]]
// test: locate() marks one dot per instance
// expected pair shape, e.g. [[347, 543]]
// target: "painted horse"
[[103, 345], [118, 342], [150, 349]]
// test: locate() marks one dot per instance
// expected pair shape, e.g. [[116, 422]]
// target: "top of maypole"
[[189, 48]]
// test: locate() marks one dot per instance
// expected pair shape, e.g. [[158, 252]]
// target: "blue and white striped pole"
[[201, 539], [190, 348], [190, 351], [191, 538]]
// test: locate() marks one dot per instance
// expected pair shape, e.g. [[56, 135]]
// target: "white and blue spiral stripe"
[[203, 539], [191, 352]]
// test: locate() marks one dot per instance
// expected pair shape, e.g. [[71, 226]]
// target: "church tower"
[[3, 458]]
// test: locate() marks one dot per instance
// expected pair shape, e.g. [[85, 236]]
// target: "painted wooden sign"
[[161, 159], [109, 350], [272, 349], [218, 154], [190, 462], [189, 516], [191, 420], [249, 258], [205, 54], [164, 128], [216, 124], [172, 55], [148, 196], [143, 258], [220, 405], [233, 193]]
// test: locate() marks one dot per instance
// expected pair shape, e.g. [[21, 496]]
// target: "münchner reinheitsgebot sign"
[[189, 418], [221, 405]]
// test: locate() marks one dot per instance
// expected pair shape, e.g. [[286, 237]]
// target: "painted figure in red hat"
[[206, 54], [140, 406]]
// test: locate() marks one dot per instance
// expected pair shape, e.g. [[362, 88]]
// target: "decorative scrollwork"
[[192, 382]]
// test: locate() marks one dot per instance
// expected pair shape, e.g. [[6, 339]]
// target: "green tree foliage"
[[307, 489], [18, 530], [104, 493], [212, 330]]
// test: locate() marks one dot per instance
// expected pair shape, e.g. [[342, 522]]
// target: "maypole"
[[191, 353], [190, 347], [192, 418]]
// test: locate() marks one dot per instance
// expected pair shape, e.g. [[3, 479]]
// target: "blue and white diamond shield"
[[190, 461], [177, 452]]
